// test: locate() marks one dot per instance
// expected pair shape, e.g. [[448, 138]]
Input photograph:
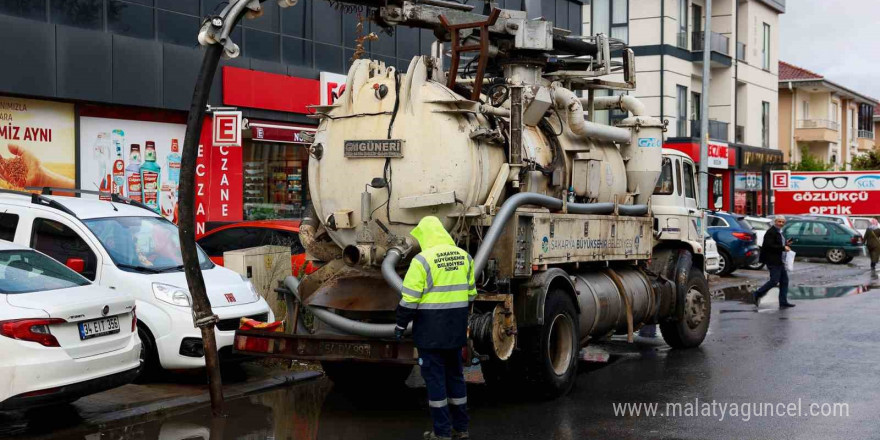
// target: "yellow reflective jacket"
[[437, 289]]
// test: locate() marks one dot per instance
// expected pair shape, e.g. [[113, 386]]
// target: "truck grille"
[[229, 324]]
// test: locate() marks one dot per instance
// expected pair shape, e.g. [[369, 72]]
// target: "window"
[[177, 28], [125, 18], [664, 183], [815, 229], [28, 271], [805, 109], [88, 14], [834, 109], [8, 223], [765, 124], [273, 180], [190, 7], [262, 45], [233, 239], [682, 110], [765, 49], [611, 17], [678, 176], [689, 191], [716, 222], [275, 237], [62, 243], [32, 9], [696, 106], [683, 24], [861, 223]]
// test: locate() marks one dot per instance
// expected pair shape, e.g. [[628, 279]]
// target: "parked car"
[[861, 224], [760, 225], [839, 219], [713, 259], [736, 241], [243, 235], [62, 337], [128, 247], [839, 244]]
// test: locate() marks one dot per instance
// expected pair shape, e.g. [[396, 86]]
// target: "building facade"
[[104, 81], [828, 121], [667, 38]]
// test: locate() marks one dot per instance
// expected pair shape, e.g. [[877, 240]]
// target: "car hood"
[[224, 287]]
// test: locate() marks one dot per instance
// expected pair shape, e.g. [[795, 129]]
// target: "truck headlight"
[[251, 288], [171, 294]]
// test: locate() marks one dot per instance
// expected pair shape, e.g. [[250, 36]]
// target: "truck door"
[[695, 231]]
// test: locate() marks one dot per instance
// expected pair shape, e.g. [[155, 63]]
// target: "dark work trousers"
[[447, 391], [778, 276]]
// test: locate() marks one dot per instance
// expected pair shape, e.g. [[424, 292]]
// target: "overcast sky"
[[837, 39]]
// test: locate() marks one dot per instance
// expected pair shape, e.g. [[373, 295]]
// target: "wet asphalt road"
[[822, 351]]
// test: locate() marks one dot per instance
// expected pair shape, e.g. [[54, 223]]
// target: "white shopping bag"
[[789, 260]]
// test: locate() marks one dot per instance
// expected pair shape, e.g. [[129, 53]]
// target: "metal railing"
[[740, 51], [818, 123], [739, 135], [865, 134], [717, 130], [683, 40], [718, 43]]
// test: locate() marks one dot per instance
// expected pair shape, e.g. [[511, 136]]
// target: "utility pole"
[[704, 110]]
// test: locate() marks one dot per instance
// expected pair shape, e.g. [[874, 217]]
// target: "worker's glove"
[[398, 332]]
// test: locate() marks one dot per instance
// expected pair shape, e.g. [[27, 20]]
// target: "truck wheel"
[[358, 375], [726, 263], [149, 356], [691, 330], [549, 355]]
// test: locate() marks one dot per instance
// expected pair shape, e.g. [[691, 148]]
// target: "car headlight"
[[251, 288], [171, 294]]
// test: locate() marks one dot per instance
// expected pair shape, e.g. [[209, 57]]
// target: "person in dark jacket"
[[872, 240], [437, 292], [771, 254]]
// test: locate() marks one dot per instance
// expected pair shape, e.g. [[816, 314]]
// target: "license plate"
[[98, 327], [345, 349]]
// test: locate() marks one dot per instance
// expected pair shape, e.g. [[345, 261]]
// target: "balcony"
[[817, 130], [740, 51], [718, 42], [866, 141], [865, 134], [682, 40], [717, 130]]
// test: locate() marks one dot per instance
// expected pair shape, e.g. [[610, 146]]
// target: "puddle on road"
[[810, 292]]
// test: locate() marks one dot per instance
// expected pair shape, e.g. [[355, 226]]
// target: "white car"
[[130, 248], [861, 224], [62, 337], [760, 225], [839, 219], [713, 258]]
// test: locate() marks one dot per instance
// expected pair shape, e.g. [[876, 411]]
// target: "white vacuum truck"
[[569, 241]]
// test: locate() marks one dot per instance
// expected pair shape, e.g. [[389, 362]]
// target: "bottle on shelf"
[[151, 177], [133, 188]]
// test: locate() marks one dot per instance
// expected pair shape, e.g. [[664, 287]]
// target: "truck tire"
[[359, 375], [549, 353], [690, 331]]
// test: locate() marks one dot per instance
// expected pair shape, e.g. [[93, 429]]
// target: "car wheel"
[[725, 263], [691, 330], [149, 356], [835, 256], [757, 265]]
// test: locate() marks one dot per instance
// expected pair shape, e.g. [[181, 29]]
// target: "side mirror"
[[77, 265]]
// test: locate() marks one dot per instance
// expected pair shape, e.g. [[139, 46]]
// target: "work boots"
[[429, 435]]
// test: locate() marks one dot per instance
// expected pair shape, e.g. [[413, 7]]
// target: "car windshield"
[[142, 244], [23, 271], [758, 226]]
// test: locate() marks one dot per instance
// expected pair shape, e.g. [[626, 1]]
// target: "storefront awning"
[[278, 132]]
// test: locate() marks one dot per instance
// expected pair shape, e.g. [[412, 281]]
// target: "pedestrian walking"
[[872, 240], [437, 292], [771, 254]]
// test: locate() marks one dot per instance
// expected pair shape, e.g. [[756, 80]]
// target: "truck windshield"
[[28, 271], [664, 183], [142, 244]]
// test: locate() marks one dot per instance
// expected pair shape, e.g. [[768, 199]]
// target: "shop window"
[[274, 180], [129, 19], [87, 14], [62, 243], [185, 6], [297, 52], [177, 28], [32, 9], [8, 223], [262, 45]]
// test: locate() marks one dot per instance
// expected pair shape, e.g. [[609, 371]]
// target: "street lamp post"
[[704, 110]]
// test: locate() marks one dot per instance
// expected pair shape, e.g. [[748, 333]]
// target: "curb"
[[164, 407]]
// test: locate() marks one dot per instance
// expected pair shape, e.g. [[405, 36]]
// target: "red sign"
[[270, 91], [841, 192], [720, 155], [218, 182], [227, 129], [274, 132], [717, 156], [229, 297]]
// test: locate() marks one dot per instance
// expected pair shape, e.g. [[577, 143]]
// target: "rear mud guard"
[[530, 302]]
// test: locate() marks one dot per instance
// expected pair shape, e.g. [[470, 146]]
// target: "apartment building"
[[829, 121], [667, 38]]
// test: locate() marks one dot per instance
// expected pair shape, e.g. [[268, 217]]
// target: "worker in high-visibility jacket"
[[437, 292]]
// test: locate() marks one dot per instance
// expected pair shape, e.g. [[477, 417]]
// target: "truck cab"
[[677, 214]]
